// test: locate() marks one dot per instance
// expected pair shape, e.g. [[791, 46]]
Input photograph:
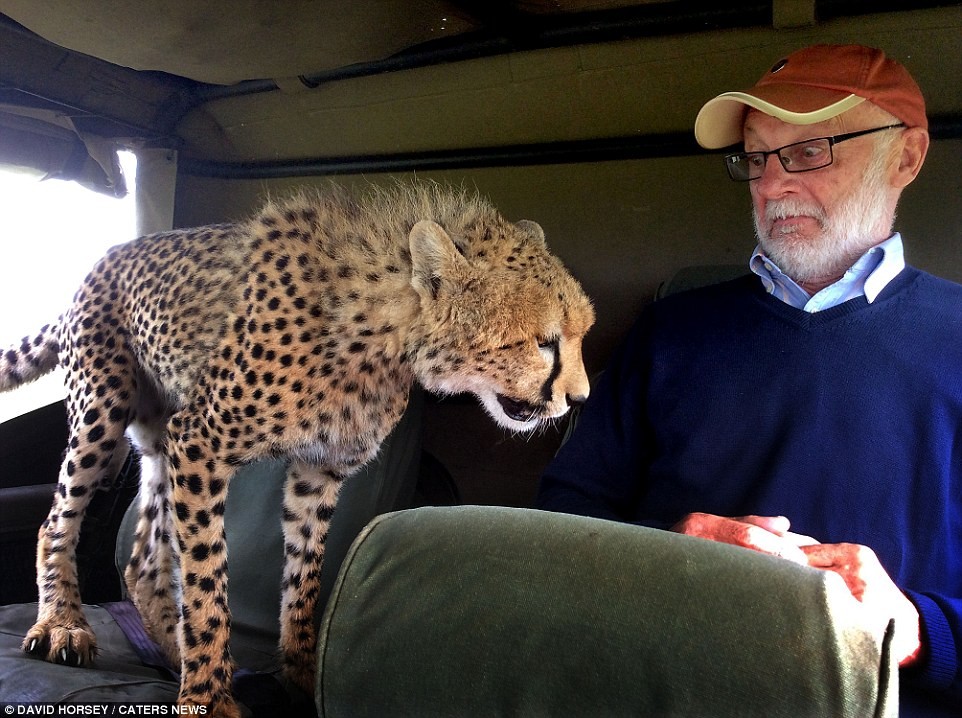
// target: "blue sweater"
[[847, 421]]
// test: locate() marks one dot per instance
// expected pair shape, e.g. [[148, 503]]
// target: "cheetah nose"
[[577, 400]]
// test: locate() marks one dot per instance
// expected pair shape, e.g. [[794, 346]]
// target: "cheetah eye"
[[548, 344]]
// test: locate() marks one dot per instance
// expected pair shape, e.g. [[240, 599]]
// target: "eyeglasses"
[[797, 157]]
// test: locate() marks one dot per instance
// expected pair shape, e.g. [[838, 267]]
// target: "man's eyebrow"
[[748, 132], [748, 124]]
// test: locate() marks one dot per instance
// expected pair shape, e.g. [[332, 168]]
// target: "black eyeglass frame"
[[785, 163]]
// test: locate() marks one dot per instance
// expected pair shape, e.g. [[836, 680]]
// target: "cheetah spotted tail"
[[31, 359]]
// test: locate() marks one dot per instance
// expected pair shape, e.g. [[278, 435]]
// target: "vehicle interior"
[[577, 114]]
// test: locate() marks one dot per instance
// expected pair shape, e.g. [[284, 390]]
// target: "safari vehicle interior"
[[575, 113]]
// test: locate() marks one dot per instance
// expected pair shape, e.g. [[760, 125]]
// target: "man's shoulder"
[[939, 283], [929, 287]]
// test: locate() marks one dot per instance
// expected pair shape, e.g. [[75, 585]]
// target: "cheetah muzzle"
[[298, 334], [518, 409]]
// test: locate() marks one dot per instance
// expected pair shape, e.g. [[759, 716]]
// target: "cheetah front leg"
[[310, 495], [199, 492]]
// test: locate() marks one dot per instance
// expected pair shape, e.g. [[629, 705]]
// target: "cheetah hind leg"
[[151, 575], [310, 495], [61, 633]]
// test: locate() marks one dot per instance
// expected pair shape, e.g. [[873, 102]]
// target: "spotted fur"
[[296, 334]]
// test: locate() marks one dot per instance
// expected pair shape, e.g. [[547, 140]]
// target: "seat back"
[[701, 275], [478, 611]]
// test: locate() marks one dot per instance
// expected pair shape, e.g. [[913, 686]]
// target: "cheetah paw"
[[70, 645], [300, 674]]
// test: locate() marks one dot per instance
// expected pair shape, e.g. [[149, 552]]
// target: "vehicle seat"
[[255, 547], [490, 611], [699, 275]]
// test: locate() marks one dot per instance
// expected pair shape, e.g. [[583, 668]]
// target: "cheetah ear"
[[532, 230], [434, 258]]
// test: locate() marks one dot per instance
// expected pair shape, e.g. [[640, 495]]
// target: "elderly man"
[[823, 392]]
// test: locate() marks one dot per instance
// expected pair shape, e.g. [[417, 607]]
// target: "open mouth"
[[787, 225], [517, 409]]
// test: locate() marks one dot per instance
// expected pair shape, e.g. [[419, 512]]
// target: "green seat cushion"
[[484, 611]]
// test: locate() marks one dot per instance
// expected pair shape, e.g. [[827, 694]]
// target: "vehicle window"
[[51, 234]]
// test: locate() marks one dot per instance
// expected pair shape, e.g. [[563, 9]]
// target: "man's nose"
[[774, 179]]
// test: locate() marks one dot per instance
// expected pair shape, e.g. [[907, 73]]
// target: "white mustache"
[[786, 208]]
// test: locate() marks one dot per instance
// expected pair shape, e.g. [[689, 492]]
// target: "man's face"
[[814, 225]]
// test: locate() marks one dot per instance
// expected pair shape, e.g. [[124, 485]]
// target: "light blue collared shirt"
[[867, 277]]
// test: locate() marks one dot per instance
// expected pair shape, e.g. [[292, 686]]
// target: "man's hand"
[[768, 534], [870, 583], [858, 566]]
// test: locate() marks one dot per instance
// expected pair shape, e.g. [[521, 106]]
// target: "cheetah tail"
[[31, 359]]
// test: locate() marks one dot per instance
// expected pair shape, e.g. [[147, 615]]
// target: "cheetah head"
[[502, 319]]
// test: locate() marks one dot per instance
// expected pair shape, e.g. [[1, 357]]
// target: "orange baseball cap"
[[813, 85]]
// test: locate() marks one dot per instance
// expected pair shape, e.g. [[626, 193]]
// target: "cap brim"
[[719, 122]]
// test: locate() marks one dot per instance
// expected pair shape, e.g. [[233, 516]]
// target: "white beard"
[[861, 220]]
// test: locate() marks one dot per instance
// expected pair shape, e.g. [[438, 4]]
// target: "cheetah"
[[298, 334]]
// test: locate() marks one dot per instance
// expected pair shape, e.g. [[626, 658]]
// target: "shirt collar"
[[891, 263], [867, 277]]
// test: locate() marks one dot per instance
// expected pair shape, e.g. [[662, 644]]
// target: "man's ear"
[[915, 145], [434, 258]]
